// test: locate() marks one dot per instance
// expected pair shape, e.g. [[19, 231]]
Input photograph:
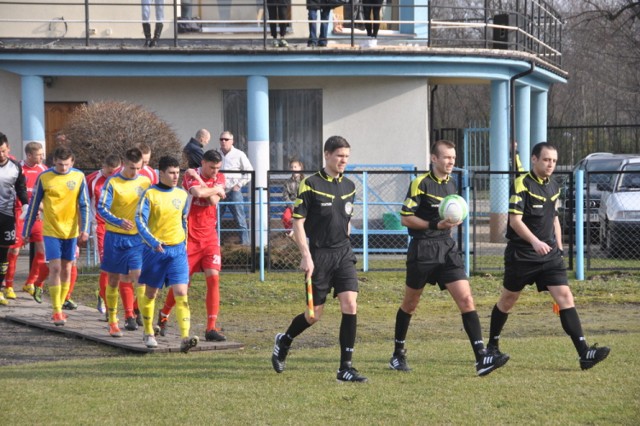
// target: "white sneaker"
[[373, 42], [365, 44], [150, 341]]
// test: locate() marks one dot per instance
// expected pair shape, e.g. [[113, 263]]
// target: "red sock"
[[126, 294], [102, 283], [43, 273], [38, 260], [73, 278], [12, 259], [169, 303], [212, 300]]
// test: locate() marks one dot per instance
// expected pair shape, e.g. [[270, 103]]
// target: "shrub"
[[99, 129]]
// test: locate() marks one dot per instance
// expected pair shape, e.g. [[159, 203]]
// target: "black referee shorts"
[[7, 230], [433, 261], [519, 274], [333, 268]]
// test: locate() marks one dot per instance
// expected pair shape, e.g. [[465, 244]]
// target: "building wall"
[[385, 120]]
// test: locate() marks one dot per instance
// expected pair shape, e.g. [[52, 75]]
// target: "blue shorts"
[[56, 248], [122, 253], [167, 268]]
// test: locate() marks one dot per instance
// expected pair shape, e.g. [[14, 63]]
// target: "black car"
[[595, 167]]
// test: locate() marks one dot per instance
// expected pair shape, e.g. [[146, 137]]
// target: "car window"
[[601, 165], [630, 181]]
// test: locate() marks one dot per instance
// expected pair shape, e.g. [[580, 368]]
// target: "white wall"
[[10, 111], [384, 119]]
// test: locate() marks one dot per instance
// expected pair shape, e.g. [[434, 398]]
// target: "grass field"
[[542, 384]]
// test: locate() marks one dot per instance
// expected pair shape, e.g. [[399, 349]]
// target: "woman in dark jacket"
[[278, 11]]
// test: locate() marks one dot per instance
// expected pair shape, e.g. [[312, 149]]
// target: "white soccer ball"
[[453, 208]]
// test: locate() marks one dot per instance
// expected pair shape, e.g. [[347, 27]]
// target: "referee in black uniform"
[[322, 213], [433, 258], [534, 253]]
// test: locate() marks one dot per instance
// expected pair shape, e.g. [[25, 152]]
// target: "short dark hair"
[[63, 153], [435, 148], [143, 147], [537, 148], [3, 139], [334, 143], [166, 162], [32, 147], [112, 160], [213, 156], [133, 154]]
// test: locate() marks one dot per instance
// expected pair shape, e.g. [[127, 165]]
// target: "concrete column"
[[258, 141], [539, 100], [33, 110], [523, 124], [414, 10], [499, 160]]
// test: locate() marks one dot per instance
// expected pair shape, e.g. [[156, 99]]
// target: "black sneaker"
[[490, 361], [69, 305], [138, 317], [399, 361], [593, 355], [214, 335], [279, 355], [162, 323], [350, 374], [130, 324], [187, 343]]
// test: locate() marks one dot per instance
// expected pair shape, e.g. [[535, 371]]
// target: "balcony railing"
[[530, 26]]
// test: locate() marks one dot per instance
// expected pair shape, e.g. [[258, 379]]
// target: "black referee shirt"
[[327, 205], [423, 200], [534, 199]]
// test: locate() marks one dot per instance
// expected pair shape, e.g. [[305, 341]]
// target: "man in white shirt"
[[234, 159]]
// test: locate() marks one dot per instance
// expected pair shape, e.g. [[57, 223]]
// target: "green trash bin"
[[391, 221]]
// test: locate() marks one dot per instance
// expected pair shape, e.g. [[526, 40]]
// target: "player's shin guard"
[[55, 291], [347, 338], [112, 303], [72, 283], [126, 293], [147, 306], [64, 291], [471, 323], [43, 274], [36, 265], [103, 283], [213, 300], [12, 260], [403, 320], [183, 315], [571, 325]]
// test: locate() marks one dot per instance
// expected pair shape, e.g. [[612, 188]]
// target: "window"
[[295, 125]]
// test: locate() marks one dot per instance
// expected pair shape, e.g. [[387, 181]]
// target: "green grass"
[[542, 384]]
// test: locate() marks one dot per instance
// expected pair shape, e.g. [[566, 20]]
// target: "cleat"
[[188, 343], [490, 360], [37, 294], [350, 374], [214, 335], [275, 43], [138, 317], [9, 293], [59, 319], [156, 330], [130, 324], [69, 305], [162, 323], [593, 355], [28, 288], [279, 355], [150, 341], [283, 43], [3, 301], [114, 330], [399, 361], [100, 305]]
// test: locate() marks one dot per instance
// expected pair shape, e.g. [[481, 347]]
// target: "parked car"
[[619, 212], [594, 166]]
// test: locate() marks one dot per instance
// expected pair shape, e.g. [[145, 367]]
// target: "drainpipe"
[[431, 113], [512, 112]]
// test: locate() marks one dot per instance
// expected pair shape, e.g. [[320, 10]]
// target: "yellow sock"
[[139, 291], [63, 293], [112, 303], [183, 315], [147, 306], [54, 292]]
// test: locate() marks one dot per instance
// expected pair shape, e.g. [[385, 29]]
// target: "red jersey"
[[95, 182], [203, 216], [31, 174], [150, 173]]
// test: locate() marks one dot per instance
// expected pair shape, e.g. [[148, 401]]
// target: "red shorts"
[[203, 257], [36, 232], [19, 227]]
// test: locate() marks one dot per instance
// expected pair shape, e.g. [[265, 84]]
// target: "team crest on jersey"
[[348, 208], [176, 203], [71, 184]]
